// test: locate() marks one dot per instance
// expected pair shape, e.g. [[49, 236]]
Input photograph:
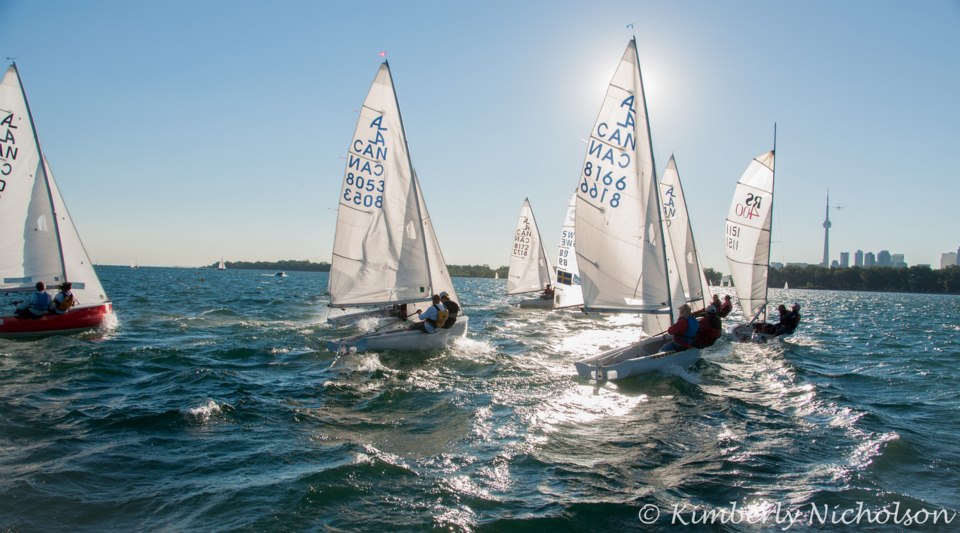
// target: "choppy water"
[[213, 406]]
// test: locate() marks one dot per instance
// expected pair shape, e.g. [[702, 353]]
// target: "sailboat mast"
[[46, 175], [656, 183], [773, 181], [414, 182]]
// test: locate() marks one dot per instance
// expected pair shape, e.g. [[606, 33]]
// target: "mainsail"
[[385, 250], [38, 241], [567, 288], [620, 240], [748, 234], [529, 269]]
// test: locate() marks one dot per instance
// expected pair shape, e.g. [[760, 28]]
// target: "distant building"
[[883, 259], [776, 265], [897, 261], [948, 259], [798, 265], [858, 258], [834, 264], [869, 259], [844, 259]]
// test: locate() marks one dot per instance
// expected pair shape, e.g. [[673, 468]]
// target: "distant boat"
[[221, 265], [786, 285], [496, 275], [385, 250], [37, 235], [624, 247], [748, 245], [567, 291], [529, 271], [281, 274]]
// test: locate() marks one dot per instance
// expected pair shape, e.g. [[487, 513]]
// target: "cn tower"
[[826, 236]]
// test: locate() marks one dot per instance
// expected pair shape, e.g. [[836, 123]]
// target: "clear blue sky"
[[183, 131]]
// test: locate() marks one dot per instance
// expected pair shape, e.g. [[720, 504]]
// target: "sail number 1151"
[[733, 236]]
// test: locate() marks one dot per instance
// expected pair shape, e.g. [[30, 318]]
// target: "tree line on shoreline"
[[918, 278]]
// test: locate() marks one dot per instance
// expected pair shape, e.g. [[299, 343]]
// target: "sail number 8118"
[[359, 191], [600, 189]]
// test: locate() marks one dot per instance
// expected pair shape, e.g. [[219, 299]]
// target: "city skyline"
[[186, 132]]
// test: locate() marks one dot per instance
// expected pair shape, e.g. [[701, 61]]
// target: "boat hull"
[[639, 358], [74, 321], [748, 333], [536, 303], [405, 340]]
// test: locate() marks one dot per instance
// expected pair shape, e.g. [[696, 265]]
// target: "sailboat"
[[748, 245], [221, 265], [385, 252], [623, 245], [529, 271], [38, 240], [567, 291]]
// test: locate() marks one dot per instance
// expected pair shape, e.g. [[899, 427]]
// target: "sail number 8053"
[[603, 184], [360, 191]]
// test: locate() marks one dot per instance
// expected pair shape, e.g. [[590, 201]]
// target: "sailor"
[[435, 315], [789, 320], [37, 305], [64, 299], [709, 328], [683, 331], [452, 307], [547, 293], [725, 307]]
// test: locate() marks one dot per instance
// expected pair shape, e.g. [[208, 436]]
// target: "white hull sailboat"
[[38, 241], [624, 250], [748, 231], [567, 292], [529, 271], [385, 252]]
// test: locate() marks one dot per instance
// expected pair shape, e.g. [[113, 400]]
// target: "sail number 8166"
[[600, 189]]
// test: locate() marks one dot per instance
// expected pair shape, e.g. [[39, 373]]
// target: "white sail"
[[381, 253], [567, 291], [620, 246], [748, 234], [687, 280], [438, 275], [529, 269], [38, 241]]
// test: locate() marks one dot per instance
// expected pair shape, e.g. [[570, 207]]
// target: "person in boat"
[[684, 331], [709, 328], [453, 308], [789, 320], [400, 311], [37, 305], [724, 309], [769, 328], [547, 293], [435, 316], [64, 299]]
